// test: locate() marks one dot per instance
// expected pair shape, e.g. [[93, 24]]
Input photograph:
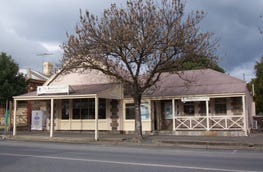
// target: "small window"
[[220, 106], [130, 111], [189, 108]]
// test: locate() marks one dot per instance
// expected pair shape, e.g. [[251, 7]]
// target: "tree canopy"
[[135, 43], [258, 83], [12, 83], [202, 63]]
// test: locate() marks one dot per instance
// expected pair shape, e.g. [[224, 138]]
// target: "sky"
[[32, 31]]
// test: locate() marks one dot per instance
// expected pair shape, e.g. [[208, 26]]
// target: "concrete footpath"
[[252, 142]]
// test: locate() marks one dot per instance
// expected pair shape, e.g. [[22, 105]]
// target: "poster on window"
[[168, 112], [145, 111]]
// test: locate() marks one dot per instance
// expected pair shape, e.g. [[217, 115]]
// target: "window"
[[85, 109], [145, 111], [202, 108], [65, 109], [236, 103], [189, 108], [220, 106], [102, 108], [130, 111], [167, 109]]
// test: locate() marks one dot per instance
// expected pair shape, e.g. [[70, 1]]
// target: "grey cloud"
[[235, 23], [24, 25]]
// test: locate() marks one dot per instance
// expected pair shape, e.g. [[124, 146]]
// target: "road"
[[19, 156]]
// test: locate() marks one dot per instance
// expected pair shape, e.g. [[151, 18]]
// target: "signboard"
[[194, 99], [56, 89], [38, 120]]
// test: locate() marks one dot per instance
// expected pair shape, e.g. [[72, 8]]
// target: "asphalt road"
[[18, 156]]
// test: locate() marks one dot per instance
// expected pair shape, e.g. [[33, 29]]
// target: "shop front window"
[[130, 111], [65, 109], [85, 109], [102, 108]]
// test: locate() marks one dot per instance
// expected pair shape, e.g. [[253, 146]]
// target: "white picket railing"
[[234, 122]]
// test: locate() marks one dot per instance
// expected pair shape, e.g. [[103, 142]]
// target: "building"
[[34, 79], [198, 102]]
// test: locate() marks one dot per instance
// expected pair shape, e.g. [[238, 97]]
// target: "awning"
[[108, 91]]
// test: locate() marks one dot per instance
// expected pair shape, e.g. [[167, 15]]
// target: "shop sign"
[[56, 89], [194, 99]]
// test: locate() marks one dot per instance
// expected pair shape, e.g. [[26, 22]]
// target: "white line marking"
[[126, 163]]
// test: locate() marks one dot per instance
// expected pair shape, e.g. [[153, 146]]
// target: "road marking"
[[126, 163]]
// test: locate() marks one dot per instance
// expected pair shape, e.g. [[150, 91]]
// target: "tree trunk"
[[138, 121]]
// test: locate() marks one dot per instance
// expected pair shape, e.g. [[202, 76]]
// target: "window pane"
[[202, 108], [189, 108], [167, 109], [102, 108], [220, 106], [145, 111], [76, 114], [65, 109], [90, 113], [81, 109], [130, 112]]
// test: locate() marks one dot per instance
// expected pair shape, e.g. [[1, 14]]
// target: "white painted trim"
[[173, 110], [207, 114], [96, 118], [14, 120], [54, 97], [244, 114], [51, 118]]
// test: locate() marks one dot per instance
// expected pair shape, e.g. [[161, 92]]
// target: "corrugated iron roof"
[[197, 82], [78, 90]]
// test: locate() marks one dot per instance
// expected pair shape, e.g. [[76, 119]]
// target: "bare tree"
[[136, 43]]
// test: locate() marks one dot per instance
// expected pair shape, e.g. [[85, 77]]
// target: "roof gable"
[[87, 77]]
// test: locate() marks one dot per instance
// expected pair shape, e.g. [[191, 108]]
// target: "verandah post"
[[207, 115], [96, 118], [14, 120], [244, 114], [173, 106], [52, 118]]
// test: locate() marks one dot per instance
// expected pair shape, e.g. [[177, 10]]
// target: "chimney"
[[47, 68]]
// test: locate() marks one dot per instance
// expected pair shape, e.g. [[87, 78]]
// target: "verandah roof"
[[109, 91]]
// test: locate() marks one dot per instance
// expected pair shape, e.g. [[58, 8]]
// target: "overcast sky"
[[30, 28]]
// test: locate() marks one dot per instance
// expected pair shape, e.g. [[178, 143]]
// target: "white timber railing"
[[234, 122]]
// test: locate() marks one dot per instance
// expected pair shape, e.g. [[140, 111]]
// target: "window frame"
[[131, 106], [90, 109]]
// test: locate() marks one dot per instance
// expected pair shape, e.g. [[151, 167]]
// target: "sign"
[[194, 99], [56, 89], [38, 120]]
